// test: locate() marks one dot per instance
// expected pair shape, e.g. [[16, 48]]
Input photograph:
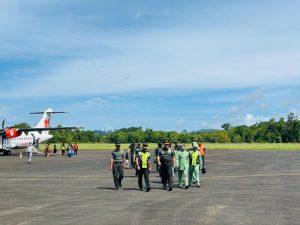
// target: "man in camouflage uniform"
[[157, 150], [117, 165], [137, 150], [132, 149]]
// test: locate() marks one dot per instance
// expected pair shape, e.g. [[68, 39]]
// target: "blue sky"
[[167, 65]]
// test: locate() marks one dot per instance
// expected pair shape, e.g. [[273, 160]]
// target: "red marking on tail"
[[46, 123]]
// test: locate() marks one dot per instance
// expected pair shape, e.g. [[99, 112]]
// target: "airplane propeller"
[[2, 134]]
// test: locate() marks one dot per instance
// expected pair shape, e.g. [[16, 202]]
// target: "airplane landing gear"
[[6, 152]]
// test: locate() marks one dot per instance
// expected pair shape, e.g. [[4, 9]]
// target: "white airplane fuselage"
[[23, 140]]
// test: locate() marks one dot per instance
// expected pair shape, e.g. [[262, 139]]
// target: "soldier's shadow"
[[155, 182], [137, 189], [130, 189], [124, 189], [106, 188]]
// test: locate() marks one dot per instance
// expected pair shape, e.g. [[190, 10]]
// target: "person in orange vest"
[[75, 148], [202, 151]]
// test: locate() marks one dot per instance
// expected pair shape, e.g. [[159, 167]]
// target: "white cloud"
[[133, 72], [251, 119], [88, 60], [180, 124], [97, 101], [236, 109], [204, 124]]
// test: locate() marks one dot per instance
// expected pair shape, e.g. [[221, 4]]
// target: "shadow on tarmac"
[[112, 188], [128, 189], [106, 188]]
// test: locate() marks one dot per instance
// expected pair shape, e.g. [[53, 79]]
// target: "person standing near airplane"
[[29, 151], [55, 149], [70, 151], [37, 144], [47, 150], [63, 149], [75, 149]]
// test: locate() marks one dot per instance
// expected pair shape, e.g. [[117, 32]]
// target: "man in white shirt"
[[29, 151]]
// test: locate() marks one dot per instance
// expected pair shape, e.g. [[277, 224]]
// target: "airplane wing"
[[49, 128], [15, 132], [42, 129]]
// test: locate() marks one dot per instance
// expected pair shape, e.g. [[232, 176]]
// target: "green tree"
[[226, 126], [22, 125], [236, 138], [292, 128]]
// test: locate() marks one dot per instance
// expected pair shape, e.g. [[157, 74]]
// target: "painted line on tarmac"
[[109, 178], [47, 179], [220, 161], [224, 153], [252, 175]]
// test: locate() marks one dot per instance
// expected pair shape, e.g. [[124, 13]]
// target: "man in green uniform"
[[166, 161], [143, 167], [157, 150], [137, 150], [132, 149], [175, 148], [117, 165], [195, 163], [183, 165]]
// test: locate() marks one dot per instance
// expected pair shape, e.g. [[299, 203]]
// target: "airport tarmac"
[[240, 187]]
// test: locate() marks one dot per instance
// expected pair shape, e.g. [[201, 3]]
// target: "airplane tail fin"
[[45, 122]]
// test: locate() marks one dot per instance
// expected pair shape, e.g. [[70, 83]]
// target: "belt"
[[117, 162]]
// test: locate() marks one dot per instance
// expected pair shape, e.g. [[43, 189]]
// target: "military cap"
[[145, 145]]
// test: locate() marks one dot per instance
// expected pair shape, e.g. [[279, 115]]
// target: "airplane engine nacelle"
[[12, 133]]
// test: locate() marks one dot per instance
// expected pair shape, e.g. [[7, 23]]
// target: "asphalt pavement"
[[240, 187]]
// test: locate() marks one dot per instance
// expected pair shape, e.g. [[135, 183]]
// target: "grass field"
[[244, 146]]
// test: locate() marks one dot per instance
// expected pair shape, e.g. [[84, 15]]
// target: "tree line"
[[272, 131]]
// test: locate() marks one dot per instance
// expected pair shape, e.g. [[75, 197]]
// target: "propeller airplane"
[[19, 138]]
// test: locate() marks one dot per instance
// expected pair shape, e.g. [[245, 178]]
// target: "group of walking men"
[[169, 160]]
